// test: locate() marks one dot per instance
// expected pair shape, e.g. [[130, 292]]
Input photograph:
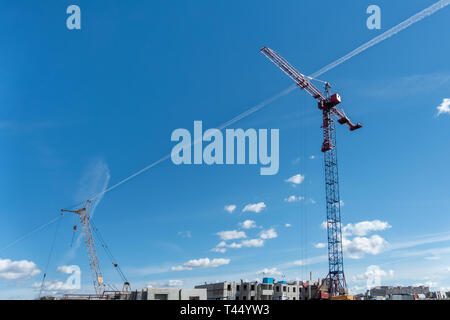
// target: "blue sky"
[[83, 109]]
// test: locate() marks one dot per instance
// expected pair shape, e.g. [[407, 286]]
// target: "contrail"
[[389, 33], [131, 176], [30, 233], [394, 30], [222, 126]]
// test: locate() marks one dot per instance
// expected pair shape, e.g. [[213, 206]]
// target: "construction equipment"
[[94, 264], [343, 297], [88, 226], [328, 105]]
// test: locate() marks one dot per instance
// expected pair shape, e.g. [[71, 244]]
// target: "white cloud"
[[308, 261], [164, 283], [312, 157], [294, 198], [65, 269], [243, 244], [73, 282], [220, 247], [297, 179], [201, 263], [235, 245], [185, 234], [272, 272], [364, 227], [444, 107], [373, 272], [14, 270], [248, 224], [287, 225], [231, 234], [320, 245], [68, 269], [221, 244], [268, 234], [253, 243], [358, 246], [357, 289], [94, 181], [175, 283], [254, 207], [55, 286], [230, 208]]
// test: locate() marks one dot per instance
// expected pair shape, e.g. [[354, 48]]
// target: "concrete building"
[[286, 291], [388, 291], [159, 294], [219, 291], [269, 289], [439, 295]]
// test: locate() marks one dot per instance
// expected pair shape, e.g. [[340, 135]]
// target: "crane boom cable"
[[52, 247], [41, 227], [108, 252]]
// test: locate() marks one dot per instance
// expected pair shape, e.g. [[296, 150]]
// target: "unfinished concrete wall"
[[162, 293], [193, 294]]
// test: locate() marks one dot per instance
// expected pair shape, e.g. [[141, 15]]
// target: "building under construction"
[[268, 289], [142, 294]]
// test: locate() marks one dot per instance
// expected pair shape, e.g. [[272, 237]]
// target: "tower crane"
[[87, 225], [94, 263], [328, 105]]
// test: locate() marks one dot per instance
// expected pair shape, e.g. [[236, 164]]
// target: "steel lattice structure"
[[88, 237], [328, 104], [336, 277]]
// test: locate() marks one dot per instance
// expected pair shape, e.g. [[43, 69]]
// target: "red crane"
[[328, 105]]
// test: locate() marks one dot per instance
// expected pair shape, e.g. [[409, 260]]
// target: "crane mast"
[[328, 105], [88, 237]]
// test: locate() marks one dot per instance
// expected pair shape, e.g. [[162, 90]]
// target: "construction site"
[[333, 286], [318, 99]]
